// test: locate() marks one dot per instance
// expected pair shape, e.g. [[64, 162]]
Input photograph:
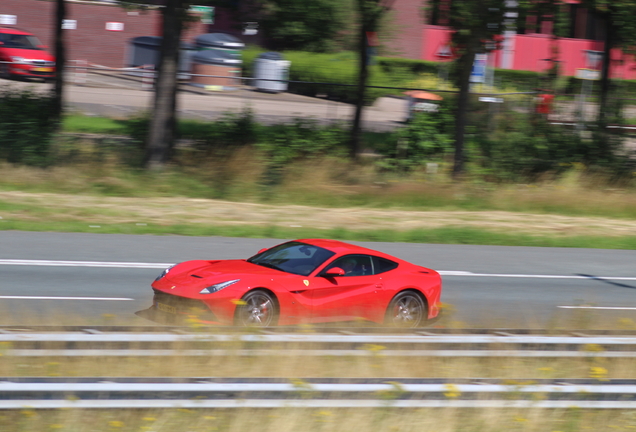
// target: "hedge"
[[341, 68]]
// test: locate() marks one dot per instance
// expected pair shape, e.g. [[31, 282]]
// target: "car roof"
[[342, 248], [13, 30]]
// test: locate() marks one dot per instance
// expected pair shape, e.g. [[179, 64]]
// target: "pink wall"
[[434, 38], [531, 50]]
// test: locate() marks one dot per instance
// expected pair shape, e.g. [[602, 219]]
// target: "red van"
[[22, 55]]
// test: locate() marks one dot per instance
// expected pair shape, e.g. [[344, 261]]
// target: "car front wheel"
[[258, 308], [407, 309], [4, 71]]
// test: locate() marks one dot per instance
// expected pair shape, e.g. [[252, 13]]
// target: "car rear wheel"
[[257, 309], [407, 309]]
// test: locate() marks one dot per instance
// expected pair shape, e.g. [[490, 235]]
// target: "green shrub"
[[230, 130], [521, 80], [26, 127], [302, 139], [427, 136], [391, 65], [248, 56], [525, 149], [342, 71]]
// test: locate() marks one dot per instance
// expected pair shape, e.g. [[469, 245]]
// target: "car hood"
[[211, 272], [28, 54]]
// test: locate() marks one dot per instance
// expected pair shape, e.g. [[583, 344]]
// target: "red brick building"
[[102, 30], [407, 29]]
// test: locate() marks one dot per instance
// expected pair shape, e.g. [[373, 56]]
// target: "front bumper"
[[26, 70], [180, 310]]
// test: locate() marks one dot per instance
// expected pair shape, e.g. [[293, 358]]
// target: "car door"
[[346, 297]]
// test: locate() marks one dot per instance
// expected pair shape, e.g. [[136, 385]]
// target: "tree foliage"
[[309, 26], [475, 23], [26, 127], [314, 26], [620, 32]]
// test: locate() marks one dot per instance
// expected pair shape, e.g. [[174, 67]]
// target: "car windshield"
[[293, 257], [20, 41]]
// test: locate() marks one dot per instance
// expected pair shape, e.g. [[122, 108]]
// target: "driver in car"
[[348, 265]]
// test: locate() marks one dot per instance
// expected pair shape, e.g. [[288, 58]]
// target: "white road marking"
[[598, 307], [84, 264], [64, 298], [526, 276]]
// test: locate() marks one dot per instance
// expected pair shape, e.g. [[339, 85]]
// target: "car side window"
[[354, 265], [382, 265]]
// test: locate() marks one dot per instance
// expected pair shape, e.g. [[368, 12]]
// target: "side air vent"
[[197, 276]]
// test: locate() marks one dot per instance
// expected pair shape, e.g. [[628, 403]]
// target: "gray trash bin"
[[222, 41], [271, 66], [144, 50]]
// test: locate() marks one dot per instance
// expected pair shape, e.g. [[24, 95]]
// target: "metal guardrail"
[[119, 393], [114, 342], [328, 329], [43, 393]]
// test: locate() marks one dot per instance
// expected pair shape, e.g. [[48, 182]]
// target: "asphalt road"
[[488, 286], [123, 96]]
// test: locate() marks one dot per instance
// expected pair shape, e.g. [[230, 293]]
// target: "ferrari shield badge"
[[306, 282]]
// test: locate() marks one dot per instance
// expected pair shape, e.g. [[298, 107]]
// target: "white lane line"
[[598, 307], [83, 264], [138, 265], [526, 276], [64, 298]]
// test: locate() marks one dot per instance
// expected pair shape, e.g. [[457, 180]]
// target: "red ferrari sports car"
[[300, 281]]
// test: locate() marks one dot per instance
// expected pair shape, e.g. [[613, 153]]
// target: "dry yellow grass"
[[177, 210], [319, 420]]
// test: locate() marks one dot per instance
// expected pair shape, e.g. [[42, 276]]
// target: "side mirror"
[[334, 271], [262, 250]]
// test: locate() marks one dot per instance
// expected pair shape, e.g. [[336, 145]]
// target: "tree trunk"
[[465, 68], [363, 75], [161, 133], [605, 71], [60, 61], [603, 143]]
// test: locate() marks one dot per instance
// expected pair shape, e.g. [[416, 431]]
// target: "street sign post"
[[478, 74]]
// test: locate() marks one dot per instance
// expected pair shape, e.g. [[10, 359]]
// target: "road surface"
[[487, 286]]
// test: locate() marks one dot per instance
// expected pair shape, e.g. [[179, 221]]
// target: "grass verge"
[[446, 235], [317, 420]]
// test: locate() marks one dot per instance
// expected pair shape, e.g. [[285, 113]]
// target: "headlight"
[[16, 59], [165, 272], [218, 287]]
